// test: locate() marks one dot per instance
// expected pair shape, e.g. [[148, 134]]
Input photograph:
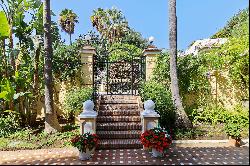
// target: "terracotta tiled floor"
[[175, 156]]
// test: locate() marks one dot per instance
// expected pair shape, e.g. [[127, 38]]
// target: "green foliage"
[[233, 129], [135, 38], [191, 75], [74, 100], [158, 93], [211, 115], [4, 26], [119, 51], [235, 120], [27, 138], [66, 61], [234, 55], [9, 123], [187, 133], [110, 23], [113, 27], [234, 23], [161, 72]]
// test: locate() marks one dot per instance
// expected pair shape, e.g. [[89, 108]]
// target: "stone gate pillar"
[[151, 54], [87, 57]]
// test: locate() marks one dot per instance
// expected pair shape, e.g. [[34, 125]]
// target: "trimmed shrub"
[[157, 92]]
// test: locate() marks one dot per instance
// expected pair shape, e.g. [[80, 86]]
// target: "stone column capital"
[[88, 50], [151, 51]]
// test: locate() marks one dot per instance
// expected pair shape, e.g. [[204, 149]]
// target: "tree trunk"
[[182, 120], [70, 39], [51, 121], [35, 84]]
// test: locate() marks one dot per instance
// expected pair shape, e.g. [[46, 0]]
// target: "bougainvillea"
[[157, 138], [84, 141]]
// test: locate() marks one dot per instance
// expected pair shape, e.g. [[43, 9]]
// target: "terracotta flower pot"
[[234, 142]]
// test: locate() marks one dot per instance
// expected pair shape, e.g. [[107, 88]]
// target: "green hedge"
[[157, 92]]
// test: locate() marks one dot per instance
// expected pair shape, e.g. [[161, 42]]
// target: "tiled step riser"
[[119, 146], [118, 97], [119, 113], [119, 107], [119, 136], [118, 119], [118, 102], [109, 127]]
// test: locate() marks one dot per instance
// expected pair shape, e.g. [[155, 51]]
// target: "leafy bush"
[[235, 120], [9, 123], [119, 51], [191, 75], [233, 129], [211, 115], [74, 100], [163, 102], [66, 61]]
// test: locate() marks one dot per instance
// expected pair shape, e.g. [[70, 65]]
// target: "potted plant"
[[158, 139], [233, 130], [86, 144]]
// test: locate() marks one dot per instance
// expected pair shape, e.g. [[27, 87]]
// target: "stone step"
[[118, 107], [118, 112], [115, 101], [119, 126], [118, 119], [119, 97], [120, 144], [119, 134]]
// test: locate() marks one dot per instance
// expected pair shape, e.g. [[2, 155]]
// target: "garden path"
[[174, 156]]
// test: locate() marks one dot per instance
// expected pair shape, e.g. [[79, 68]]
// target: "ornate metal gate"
[[120, 77]]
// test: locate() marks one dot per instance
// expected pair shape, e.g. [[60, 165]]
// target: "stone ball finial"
[[149, 105], [88, 105]]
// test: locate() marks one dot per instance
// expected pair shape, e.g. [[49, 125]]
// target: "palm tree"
[[67, 22], [110, 23], [182, 120], [51, 122]]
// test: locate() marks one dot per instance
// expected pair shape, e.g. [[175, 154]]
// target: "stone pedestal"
[[151, 54], [149, 118], [88, 118]]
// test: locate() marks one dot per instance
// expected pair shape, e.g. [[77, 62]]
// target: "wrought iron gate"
[[121, 77]]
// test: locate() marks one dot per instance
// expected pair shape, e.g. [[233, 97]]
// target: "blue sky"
[[197, 19]]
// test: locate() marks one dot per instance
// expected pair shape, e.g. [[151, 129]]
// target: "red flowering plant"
[[157, 138], [84, 141]]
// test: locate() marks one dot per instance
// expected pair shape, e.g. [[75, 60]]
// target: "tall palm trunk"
[[70, 41], [51, 122], [182, 120]]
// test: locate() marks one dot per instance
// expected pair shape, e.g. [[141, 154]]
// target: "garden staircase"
[[119, 122]]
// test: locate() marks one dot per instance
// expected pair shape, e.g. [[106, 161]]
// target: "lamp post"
[[87, 38], [151, 40]]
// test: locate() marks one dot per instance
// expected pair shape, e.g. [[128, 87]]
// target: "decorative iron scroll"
[[118, 78]]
